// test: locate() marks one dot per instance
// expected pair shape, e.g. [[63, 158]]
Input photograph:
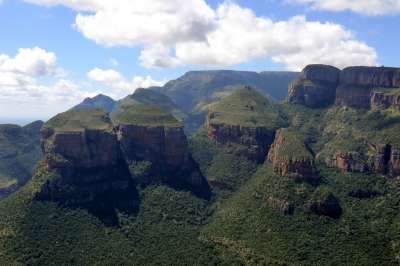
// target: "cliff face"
[[347, 162], [320, 86], [290, 157], [316, 86], [163, 146], [91, 171], [385, 101], [257, 140], [159, 139], [246, 122], [371, 76]]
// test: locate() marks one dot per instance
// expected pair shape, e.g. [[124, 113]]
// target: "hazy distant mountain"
[[196, 89], [19, 153], [100, 101]]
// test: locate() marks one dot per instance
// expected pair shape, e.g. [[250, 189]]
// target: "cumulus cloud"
[[21, 91], [181, 32], [370, 7], [32, 62], [118, 85]]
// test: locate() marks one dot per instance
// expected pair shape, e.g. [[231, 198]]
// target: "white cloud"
[[32, 62], [117, 85], [365, 7], [22, 95], [179, 32]]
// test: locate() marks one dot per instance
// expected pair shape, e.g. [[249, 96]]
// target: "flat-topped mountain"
[[196, 89], [82, 148], [247, 119], [19, 153], [360, 87]]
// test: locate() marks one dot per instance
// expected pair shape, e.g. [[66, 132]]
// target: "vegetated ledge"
[[245, 120], [291, 157]]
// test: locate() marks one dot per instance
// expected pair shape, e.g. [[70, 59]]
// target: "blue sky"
[[75, 49]]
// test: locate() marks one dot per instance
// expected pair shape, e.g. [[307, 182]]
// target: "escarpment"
[[244, 121], [150, 135], [316, 86], [291, 157], [321, 86], [82, 149], [385, 99]]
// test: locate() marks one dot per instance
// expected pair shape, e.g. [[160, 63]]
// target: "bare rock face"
[[256, 140], [381, 100], [347, 162], [394, 165], [316, 86], [283, 206], [163, 146], [357, 85], [376, 77], [82, 148], [321, 85], [290, 156], [147, 134], [246, 122], [357, 96]]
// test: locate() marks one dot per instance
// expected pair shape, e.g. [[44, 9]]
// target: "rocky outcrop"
[[386, 159], [347, 162], [159, 141], [326, 204], [356, 96], [244, 121], [316, 86], [256, 140], [394, 164], [91, 171], [321, 86], [290, 156], [374, 77], [283, 206], [357, 84], [167, 150], [382, 100]]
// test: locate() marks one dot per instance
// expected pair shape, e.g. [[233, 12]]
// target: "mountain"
[[150, 97], [19, 154], [195, 90], [310, 181], [100, 101], [245, 119]]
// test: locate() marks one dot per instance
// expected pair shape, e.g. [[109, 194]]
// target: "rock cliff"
[[385, 100], [244, 121], [347, 162], [149, 134], [321, 86], [82, 148], [291, 157], [316, 86]]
